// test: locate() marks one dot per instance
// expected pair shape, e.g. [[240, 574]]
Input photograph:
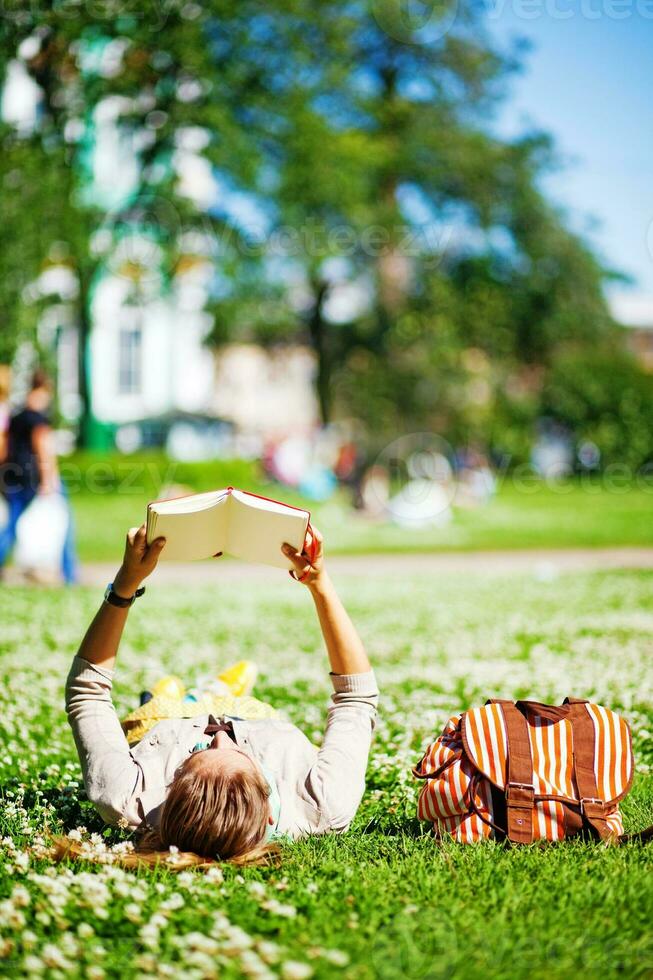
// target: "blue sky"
[[589, 81]]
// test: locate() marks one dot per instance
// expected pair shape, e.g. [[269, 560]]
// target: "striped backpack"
[[528, 771]]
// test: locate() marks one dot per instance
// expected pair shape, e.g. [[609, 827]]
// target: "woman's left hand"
[[310, 560], [138, 562]]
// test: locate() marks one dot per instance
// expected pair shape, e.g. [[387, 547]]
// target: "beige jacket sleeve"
[[337, 780], [112, 778]]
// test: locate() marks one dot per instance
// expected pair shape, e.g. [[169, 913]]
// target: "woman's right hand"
[[138, 562], [309, 562]]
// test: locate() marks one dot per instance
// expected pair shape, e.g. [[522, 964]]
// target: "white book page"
[[190, 533], [190, 502], [257, 529]]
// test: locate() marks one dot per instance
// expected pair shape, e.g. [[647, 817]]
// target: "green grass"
[[111, 493], [383, 900]]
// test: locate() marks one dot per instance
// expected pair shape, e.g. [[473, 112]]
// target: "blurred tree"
[[364, 205], [407, 234], [605, 399], [29, 187]]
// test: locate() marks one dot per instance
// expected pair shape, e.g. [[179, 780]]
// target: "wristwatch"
[[114, 599]]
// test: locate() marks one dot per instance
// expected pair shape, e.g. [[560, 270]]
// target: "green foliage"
[[603, 396], [383, 900], [380, 157]]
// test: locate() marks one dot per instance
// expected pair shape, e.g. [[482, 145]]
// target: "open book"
[[233, 522]]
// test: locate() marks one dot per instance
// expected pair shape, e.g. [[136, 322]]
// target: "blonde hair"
[[209, 816], [147, 854], [215, 812]]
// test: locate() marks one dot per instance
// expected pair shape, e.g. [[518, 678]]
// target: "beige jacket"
[[319, 789]]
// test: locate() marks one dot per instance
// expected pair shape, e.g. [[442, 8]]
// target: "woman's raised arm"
[[337, 780], [100, 644], [344, 646], [111, 776]]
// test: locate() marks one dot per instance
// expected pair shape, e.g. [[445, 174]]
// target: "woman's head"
[[40, 392], [217, 805], [217, 809]]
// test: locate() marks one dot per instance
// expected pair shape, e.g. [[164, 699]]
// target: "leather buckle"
[[520, 795], [593, 801]]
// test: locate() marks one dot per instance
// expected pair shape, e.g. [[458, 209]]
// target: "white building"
[[147, 358]]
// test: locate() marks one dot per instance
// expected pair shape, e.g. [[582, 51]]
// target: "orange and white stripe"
[[613, 758]]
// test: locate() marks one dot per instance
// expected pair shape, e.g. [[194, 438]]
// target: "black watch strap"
[[112, 597]]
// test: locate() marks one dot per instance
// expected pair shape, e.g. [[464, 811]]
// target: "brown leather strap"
[[639, 837], [520, 792], [592, 808]]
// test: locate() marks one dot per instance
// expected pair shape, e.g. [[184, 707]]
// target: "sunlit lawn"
[[109, 495], [384, 900]]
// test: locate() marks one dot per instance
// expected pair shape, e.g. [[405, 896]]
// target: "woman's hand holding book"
[[309, 561], [138, 562]]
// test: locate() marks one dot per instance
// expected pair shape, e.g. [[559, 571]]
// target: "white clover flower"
[[278, 908], [149, 937], [11, 916], [146, 962], [6, 947], [176, 901], [21, 860], [336, 956], [294, 970], [198, 964], [269, 951], [132, 912], [198, 941], [166, 970], [20, 896], [236, 940], [256, 889], [214, 874], [54, 958], [33, 966], [186, 879], [252, 966]]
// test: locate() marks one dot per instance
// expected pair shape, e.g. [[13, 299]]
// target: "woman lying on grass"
[[255, 780]]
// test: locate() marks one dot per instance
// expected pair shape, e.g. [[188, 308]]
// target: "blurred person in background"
[[5, 414], [29, 468]]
